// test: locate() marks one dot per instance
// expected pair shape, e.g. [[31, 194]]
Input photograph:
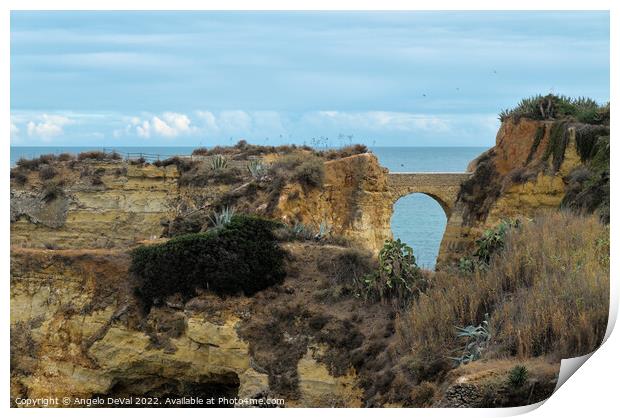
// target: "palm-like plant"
[[222, 218], [219, 162], [324, 230], [257, 169], [476, 341]]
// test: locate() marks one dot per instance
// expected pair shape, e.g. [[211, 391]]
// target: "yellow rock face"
[[534, 197], [76, 333], [128, 208], [319, 389], [355, 201]]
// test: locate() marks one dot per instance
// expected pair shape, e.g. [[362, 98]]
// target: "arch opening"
[[419, 220]]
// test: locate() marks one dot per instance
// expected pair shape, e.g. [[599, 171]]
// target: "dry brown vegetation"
[[242, 150], [547, 293]]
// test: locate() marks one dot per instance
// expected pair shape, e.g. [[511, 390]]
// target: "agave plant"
[[222, 218], [257, 169], [219, 162], [324, 230], [476, 341], [301, 231]]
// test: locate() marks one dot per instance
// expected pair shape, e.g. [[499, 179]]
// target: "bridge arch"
[[445, 205], [420, 221], [442, 187]]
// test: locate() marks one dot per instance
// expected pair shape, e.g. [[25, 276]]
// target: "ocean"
[[418, 220]]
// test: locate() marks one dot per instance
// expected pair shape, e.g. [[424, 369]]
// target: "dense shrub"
[[587, 188], [423, 394], [242, 257], [19, 176], [242, 150], [343, 152], [546, 292], [558, 141], [47, 172], [310, 173], [182, 164], [65, 156], [51, 190], [98, 155], [308, 170], [34, 163], [202, 175], [348, 267]]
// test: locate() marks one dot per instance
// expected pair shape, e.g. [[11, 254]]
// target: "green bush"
[[398, 276], [493, 240], [518, 376], [240, 258]]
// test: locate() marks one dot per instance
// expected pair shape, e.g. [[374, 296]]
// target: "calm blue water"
[[418, 220]]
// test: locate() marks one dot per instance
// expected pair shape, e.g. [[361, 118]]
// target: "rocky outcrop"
[[125, 205], [523, 175], [354, 201], [487, 384], [77, 331]]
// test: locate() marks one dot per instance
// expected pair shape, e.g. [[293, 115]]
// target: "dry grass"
[[547, 293]]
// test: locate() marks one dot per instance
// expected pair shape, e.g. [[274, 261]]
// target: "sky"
[[329, 78]]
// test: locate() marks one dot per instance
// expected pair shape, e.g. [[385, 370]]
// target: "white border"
[[591, 392]]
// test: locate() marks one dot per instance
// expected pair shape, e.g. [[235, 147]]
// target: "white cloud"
[[168, 125], [209, 120], [47, 126], [144, 129], [235, 121], [241, 123], [382, 121], [14, 130]]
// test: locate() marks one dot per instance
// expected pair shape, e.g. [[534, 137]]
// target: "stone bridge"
[[443, 187]]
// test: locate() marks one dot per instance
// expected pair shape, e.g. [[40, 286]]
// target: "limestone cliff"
[[124, 205], [527, 172], [354, 200], [78, 331], [129, 203]]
